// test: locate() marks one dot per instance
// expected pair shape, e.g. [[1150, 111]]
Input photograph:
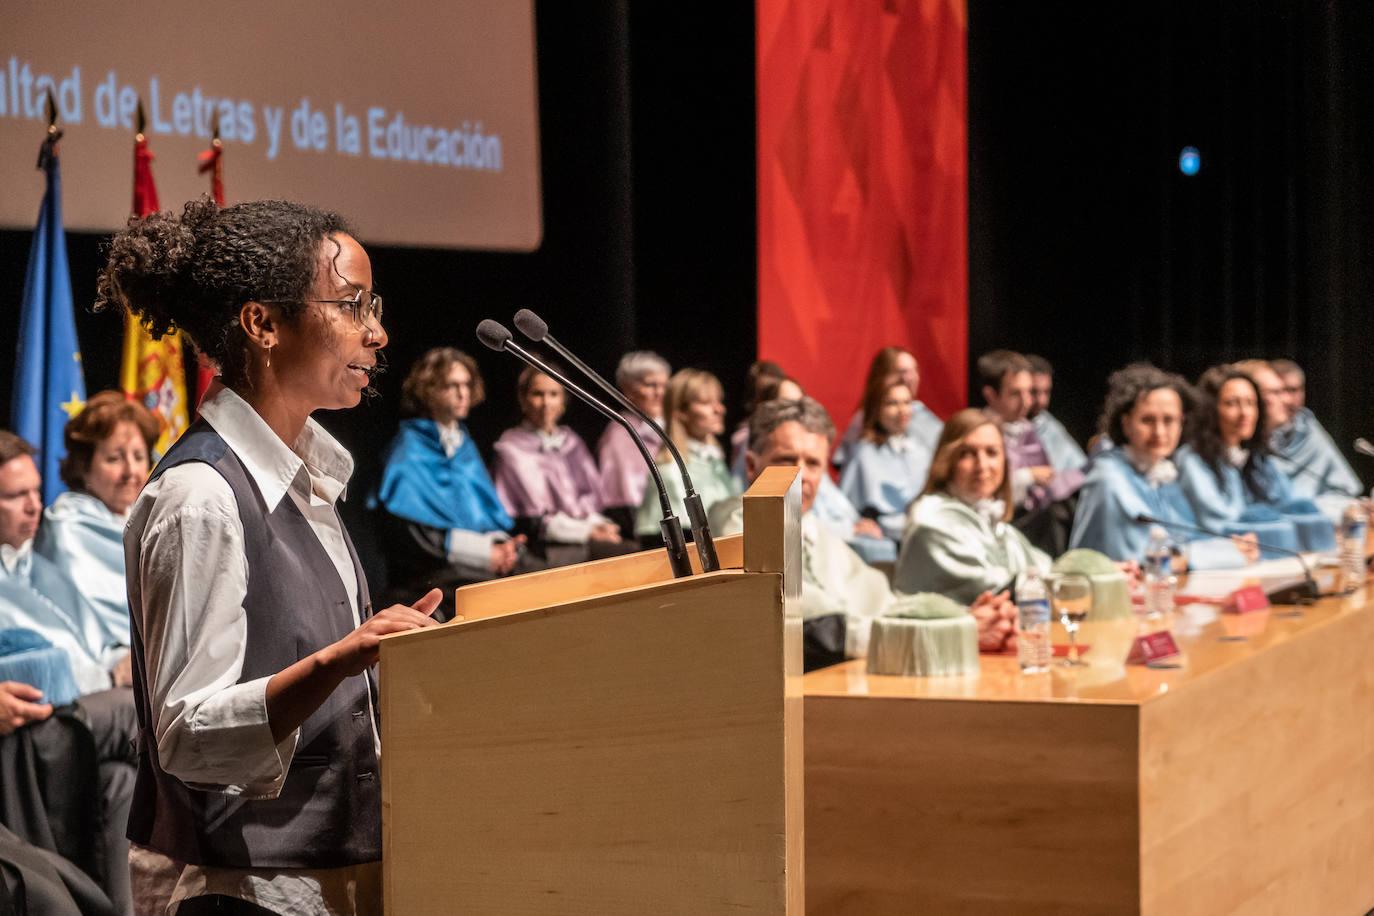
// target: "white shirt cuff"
[[472, 548], [228, 738], [565, 529], [1021, 481]]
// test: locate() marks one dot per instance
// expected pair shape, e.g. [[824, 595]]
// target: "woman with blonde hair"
[[959, 541], [695, 409]]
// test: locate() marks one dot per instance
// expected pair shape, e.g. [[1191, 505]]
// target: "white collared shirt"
[[451, 438], [548, 442], [708, 451], [184, 545], [12, 558]]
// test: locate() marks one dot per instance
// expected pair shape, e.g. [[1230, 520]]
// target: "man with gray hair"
[[642, 376], [840, 592], [1304, 449]]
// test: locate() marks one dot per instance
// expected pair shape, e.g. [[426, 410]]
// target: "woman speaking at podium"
[[253, 634]]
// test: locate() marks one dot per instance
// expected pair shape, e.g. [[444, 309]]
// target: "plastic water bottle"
[[1354, 524], [1033, 616], [1159, 575]]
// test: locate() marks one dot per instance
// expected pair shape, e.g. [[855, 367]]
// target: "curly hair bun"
[[195, 272]]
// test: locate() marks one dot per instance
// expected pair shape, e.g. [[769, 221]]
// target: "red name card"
[[1151, 647], [1247, 599]]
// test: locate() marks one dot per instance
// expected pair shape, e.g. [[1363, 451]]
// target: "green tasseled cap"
[[925, 606], [1085, 562]]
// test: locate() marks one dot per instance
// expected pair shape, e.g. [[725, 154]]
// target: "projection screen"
[[417, 118]]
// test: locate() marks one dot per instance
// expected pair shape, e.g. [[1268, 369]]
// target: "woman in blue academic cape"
[[1228, 477], [1144, 413], [889, 366], [887, 467], [108, 447], [442, 523]]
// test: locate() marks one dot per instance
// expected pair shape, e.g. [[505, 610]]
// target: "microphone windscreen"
[[493, 334], [531, 325]]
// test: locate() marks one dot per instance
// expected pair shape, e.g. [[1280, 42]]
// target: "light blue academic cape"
[[28, 658], [1305, 452], [1065, 454], [37, 597], [882, 478], [924, 427], [1114, 493], [1315, 530], [837, 515], [953, 550], [710, 477], [85, 542], [1275, 517]]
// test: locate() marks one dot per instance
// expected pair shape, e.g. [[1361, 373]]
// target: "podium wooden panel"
[[1240, 782], [604, 739]]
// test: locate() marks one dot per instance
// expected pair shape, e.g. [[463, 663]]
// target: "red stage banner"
[[863, 193]]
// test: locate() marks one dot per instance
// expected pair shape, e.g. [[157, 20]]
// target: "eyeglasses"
[[364, 306]]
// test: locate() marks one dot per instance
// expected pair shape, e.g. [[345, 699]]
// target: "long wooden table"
[[1240, 782]]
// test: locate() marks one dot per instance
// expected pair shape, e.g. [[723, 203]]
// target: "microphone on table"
[[1293, 594], [534, 327], [494, 335]]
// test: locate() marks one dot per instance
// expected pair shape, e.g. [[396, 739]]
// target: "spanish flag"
[[152, 371]]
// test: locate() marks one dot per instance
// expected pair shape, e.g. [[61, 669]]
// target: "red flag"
[[152, 370], [145, 192], [210, 161]]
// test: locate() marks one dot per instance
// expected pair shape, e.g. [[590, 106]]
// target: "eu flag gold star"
[[74, 406]]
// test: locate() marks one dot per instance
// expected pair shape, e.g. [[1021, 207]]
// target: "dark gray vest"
[[329, 812]]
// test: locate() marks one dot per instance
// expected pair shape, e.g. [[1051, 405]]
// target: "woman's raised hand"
[[358, 650]]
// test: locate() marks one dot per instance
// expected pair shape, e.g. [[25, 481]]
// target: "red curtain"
[[862, 187]]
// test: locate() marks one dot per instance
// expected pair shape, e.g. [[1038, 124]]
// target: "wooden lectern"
[[604, 738]]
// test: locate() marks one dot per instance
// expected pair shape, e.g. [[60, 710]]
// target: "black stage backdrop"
[[1087, 243]]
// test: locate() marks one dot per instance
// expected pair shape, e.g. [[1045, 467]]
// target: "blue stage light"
[[1189, 161]]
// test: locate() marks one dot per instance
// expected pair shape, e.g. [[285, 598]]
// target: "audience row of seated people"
[[445, 521], [961, 508], [66, 759]]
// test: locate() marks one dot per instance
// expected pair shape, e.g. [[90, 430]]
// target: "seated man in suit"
[[1301, 446], [1041, 496], [840, 592]]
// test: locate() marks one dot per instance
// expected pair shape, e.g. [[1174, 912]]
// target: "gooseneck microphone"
[[1294, 595], [534, 327], [494, 335]]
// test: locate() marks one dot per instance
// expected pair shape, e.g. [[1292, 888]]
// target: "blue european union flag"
[[48, 384]]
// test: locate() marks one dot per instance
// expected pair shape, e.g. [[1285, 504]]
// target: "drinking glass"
[[1072, 597]]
